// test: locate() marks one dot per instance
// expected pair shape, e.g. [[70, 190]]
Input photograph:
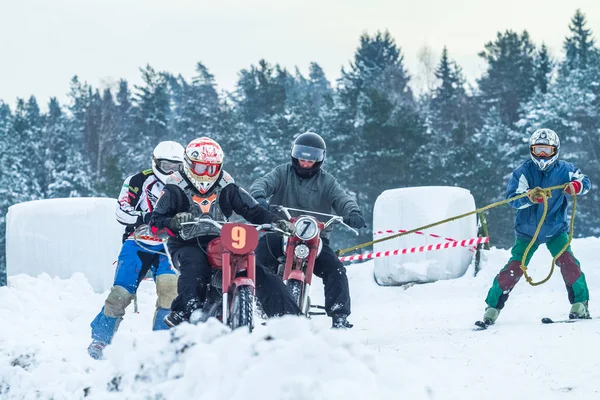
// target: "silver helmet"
[[544, 147]]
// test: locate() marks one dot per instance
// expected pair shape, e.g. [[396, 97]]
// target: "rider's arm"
[[171, 201], [518, 184], [235, 199], [342, 203], [129, 197], [267, 185], [575, 174]]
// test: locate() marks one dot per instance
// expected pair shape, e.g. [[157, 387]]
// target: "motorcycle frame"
[[294, 265], [235, 260]]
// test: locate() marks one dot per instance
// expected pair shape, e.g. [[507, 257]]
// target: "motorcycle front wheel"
[[295, 288], [242, 309]]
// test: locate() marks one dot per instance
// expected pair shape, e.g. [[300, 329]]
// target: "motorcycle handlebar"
[[334, 219], [263, 227]]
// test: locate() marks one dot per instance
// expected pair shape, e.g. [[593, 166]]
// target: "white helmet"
[[167, 158], [202, 164], [544, 146]]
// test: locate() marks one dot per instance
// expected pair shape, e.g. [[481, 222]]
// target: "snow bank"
[[63, 236], [410, 208], [44, 353], [406, 344]]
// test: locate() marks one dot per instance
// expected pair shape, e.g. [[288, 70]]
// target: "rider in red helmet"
[[205, 190]]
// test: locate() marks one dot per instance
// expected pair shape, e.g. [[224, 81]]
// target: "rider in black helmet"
[[308, 147], [303, 184]]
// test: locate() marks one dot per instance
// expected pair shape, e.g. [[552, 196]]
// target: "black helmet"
[[311, 147]]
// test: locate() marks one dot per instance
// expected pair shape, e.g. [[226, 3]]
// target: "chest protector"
[[205, 207]]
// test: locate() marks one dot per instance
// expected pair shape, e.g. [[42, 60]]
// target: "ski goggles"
[[201, 169], [543, 150], [167, 166]]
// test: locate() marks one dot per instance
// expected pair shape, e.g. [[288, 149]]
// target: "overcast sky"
[[43, 43]]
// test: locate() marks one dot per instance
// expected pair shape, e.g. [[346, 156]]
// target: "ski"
[[547, 320]]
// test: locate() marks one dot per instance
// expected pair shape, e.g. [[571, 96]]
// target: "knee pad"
[[510, 275], [117, 301], [166, 290], [568, 267]]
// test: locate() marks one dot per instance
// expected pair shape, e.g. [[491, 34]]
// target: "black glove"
[[355, 220], [176, 222], [146, 217], [285, 225], [263, 203]]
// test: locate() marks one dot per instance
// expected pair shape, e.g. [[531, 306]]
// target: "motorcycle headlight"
[[306, 228], [301, 251]]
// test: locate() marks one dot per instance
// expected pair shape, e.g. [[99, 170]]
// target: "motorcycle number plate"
[[306, 228], [239, 238]]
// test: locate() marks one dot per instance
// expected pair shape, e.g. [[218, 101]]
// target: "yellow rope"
[[545, 193]]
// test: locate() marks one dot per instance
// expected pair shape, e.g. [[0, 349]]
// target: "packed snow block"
[[410, 208], [64, 236]]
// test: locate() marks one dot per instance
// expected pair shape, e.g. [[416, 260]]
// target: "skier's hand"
[[355, 220], [284, 225], [177, 221], [535, 195], [574, 187], [263, 203]]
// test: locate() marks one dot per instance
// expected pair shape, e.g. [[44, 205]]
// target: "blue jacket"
[[528, 176]]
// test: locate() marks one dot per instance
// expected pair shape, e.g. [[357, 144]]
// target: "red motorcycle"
[[231, 293], [301, 250]]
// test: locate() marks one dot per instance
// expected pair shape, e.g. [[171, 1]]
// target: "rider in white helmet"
[[543, 170], [140, 251]]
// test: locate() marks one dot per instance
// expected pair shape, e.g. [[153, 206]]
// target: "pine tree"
[[579, 46], [197, 107], [126, 134], [377, 121], [70, 173], [153, 110], [510, 77], [543, 69], [450, 121], [27, 141], [263, 132], [5, 130], [78, 128], [449, 100]]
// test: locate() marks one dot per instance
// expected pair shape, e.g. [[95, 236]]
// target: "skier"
[[205, 190], [303, 184], [543, 170], [138, 254]]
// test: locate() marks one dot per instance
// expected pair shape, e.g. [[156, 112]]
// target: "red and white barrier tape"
[[418, 233], [420, 249]]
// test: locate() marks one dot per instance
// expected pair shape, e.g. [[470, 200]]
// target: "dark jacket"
[[320, 193], [224, 198], [528, 176]]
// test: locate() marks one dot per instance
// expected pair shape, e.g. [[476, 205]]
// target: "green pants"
[[508, 277]]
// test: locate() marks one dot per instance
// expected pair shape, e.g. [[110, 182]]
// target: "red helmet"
[[202, 163]]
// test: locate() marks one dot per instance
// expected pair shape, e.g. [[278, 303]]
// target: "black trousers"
[[195, 274], [327, 267]]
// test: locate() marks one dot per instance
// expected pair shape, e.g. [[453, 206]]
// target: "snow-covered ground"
[[406, 344]]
